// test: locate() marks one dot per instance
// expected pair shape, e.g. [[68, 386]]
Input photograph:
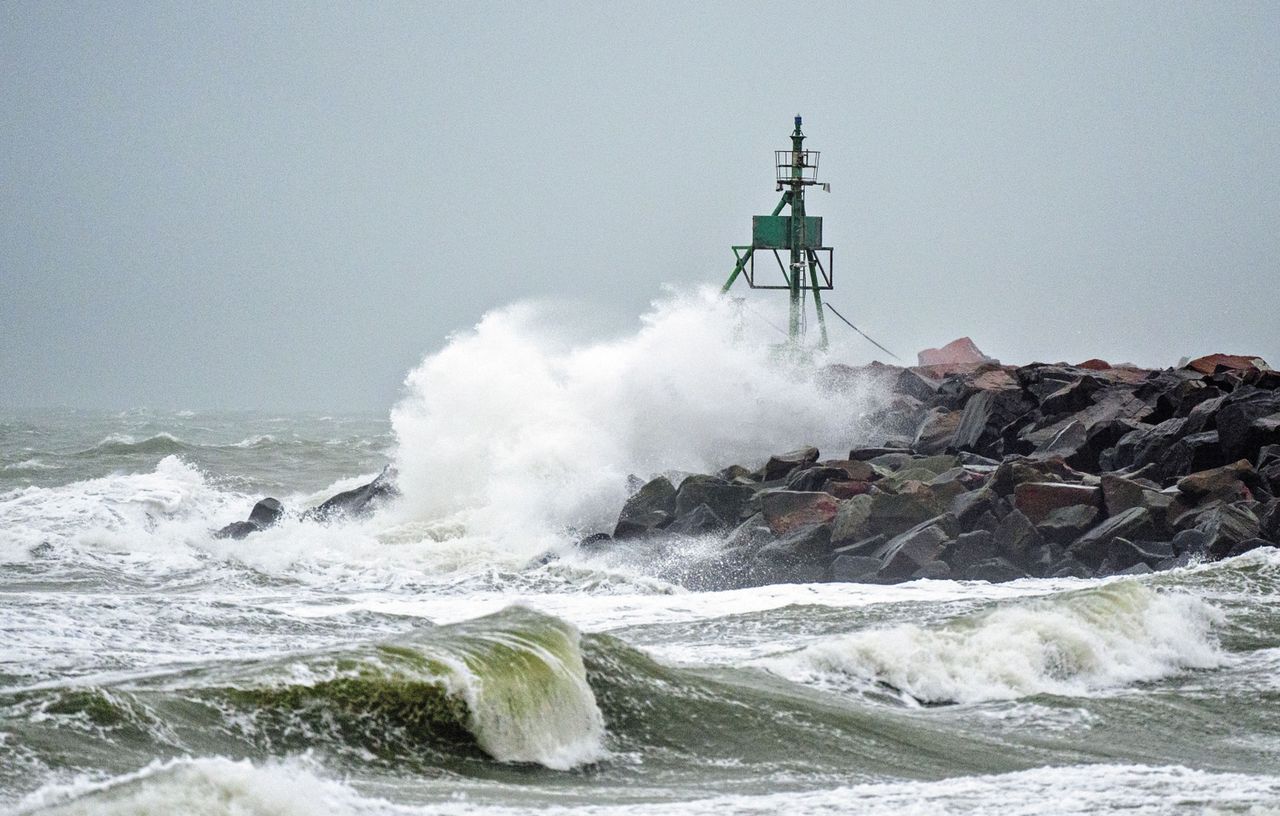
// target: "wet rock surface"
[[355, 503], [994, 473]]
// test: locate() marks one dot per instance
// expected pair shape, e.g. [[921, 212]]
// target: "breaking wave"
[[1070, 644], [511, 684], [122, 512], [517, 429]]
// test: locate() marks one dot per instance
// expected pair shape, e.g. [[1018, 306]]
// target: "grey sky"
[[286, 205]]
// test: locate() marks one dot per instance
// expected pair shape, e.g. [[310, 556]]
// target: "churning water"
[[429, 660]]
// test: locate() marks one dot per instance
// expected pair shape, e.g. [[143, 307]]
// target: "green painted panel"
[[774, 232], [812, 232], [771, 231]]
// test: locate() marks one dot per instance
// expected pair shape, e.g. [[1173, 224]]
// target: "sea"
[[455, 652]]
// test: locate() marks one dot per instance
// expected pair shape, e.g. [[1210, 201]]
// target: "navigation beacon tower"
[[799, 234]]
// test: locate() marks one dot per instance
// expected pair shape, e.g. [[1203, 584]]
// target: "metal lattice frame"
[[796, 169]]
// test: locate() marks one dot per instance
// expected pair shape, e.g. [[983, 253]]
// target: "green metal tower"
[[799, 234]]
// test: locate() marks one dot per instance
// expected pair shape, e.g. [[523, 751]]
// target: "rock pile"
[[996, 473]]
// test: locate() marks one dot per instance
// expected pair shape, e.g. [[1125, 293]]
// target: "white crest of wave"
[[209, 786], [1070, 644], [121, 512], [527, 694], [518, 431]]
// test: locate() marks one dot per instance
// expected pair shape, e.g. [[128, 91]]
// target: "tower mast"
[[798, 233]]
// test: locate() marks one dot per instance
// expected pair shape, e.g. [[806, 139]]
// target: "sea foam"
[[1074, 643]]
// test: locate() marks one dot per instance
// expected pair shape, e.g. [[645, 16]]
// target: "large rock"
[[1125, 553], [1226, 483], [851, 519], [969, 507], [959, 352], [894, 513], [1248, 545], [803, 553], [903, 554], [726, 500], [969, 549], [1216, 363], [1017, 539], [701, 520], [1204, 415], [1038, 499], [1243, 425], [854, 470], [1013, 472], [1091, 548], [1197, 451], [781, 465], [649, 508], [815, 478], [1185, 396], [1072, 397], [785, 510], [916, 384], [985, 417], [1120, 493], [358, 502], [937, 431], [1066, 524], [266, 513], [1149, 444], [1190, 542], [1226, 525]]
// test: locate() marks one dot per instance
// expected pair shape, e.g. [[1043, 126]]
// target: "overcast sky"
[[286, 205]]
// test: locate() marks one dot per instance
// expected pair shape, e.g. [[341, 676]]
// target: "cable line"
[[861, 332]]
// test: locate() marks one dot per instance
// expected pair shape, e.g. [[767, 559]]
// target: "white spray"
[[517, 432]]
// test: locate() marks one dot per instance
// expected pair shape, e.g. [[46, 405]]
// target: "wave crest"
[[1070, 644]]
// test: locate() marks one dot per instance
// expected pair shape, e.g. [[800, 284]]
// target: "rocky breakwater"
[[993, 473]]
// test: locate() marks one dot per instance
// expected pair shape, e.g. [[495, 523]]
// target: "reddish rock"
[[961, 351], [786, 510], [1037, 500], [1125, 374], [936, 431], [1095, 365], [994, 379], [1225, 483], [1213, 363]]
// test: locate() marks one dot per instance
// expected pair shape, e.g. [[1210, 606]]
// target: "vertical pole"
[[797, 229], [817, 299]]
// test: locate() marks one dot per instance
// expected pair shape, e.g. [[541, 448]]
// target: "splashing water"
[[518, 431]]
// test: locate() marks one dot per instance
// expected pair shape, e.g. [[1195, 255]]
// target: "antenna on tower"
[[798, 234]]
